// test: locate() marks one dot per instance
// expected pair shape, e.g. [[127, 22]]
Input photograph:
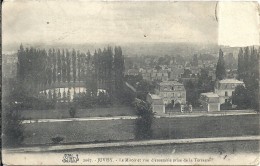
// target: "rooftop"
[[210, 94], [170, 83], [231, 81], [153, 96]]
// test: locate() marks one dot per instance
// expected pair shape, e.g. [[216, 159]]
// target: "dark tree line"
[[106, 71], [38, 68], [248, 71]]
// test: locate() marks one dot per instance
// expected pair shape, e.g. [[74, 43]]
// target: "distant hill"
[[133, 49]]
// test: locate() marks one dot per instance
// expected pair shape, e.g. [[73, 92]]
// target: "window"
[[226, 93], [226, 100], [172, 88]]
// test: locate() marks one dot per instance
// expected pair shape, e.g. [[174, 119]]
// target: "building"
[[210, 101], [156, 102], [161, 75], [171, 92], [225, 88], [133, 72]]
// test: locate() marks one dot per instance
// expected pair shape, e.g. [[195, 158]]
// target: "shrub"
[[72, 111], [13, 130]]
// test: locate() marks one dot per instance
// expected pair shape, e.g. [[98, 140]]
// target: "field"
[[78, 132], [206, 126], [64, 113], [163, 128]]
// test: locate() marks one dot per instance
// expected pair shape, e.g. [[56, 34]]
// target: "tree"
[[143, 88], [241, 97], [240, 65], [220, 69], [59, 66], [72, 111], [68, 66], [205, 83], [64, 67], [74, 65], [54, 70], [13, 130], [143, 128], [119, 70], [192, 95]]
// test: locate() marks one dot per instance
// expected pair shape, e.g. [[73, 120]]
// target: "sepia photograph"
[[130, 82]]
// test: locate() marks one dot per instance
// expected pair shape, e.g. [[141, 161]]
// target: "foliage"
[[226, 106], [220, 69], [72, 111], [241, 97], [248, 71], [169, 106], [13, 130], [205, 83], [85, 100], [143, 88], [192, 94], [143, 128]]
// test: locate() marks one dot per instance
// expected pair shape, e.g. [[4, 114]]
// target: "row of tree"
[[38, 68], [106, 71], [248, 71]]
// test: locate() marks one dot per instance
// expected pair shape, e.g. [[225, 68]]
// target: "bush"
[[143, 128], [13, 130], [72, 111], [177, 105], [226, 106]]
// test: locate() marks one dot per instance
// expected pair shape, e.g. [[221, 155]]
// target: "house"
[[210, 101], [133, 72], [171, 92], [225, 88], [156, 102], [161, 75]]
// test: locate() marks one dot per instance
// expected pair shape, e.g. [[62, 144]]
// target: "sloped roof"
[[234, 81], [210, 94]]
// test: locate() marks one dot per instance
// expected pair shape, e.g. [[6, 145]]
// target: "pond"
[[66, 94]]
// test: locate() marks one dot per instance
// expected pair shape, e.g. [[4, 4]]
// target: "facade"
[[154, 75], [160, 76], [133, 72], [210, 101], [156, 102], [225, 88], [171, 92]]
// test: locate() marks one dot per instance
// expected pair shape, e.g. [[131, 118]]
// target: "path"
[[129, 144], [135, 117]]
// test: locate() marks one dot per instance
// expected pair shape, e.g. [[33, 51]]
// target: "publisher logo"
[[70, 158]]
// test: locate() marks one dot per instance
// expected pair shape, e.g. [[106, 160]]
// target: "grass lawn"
[[64, 113], [84, 131], [163, 128], [206, 126]]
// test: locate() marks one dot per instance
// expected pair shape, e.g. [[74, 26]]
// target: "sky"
[[77, 22]]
